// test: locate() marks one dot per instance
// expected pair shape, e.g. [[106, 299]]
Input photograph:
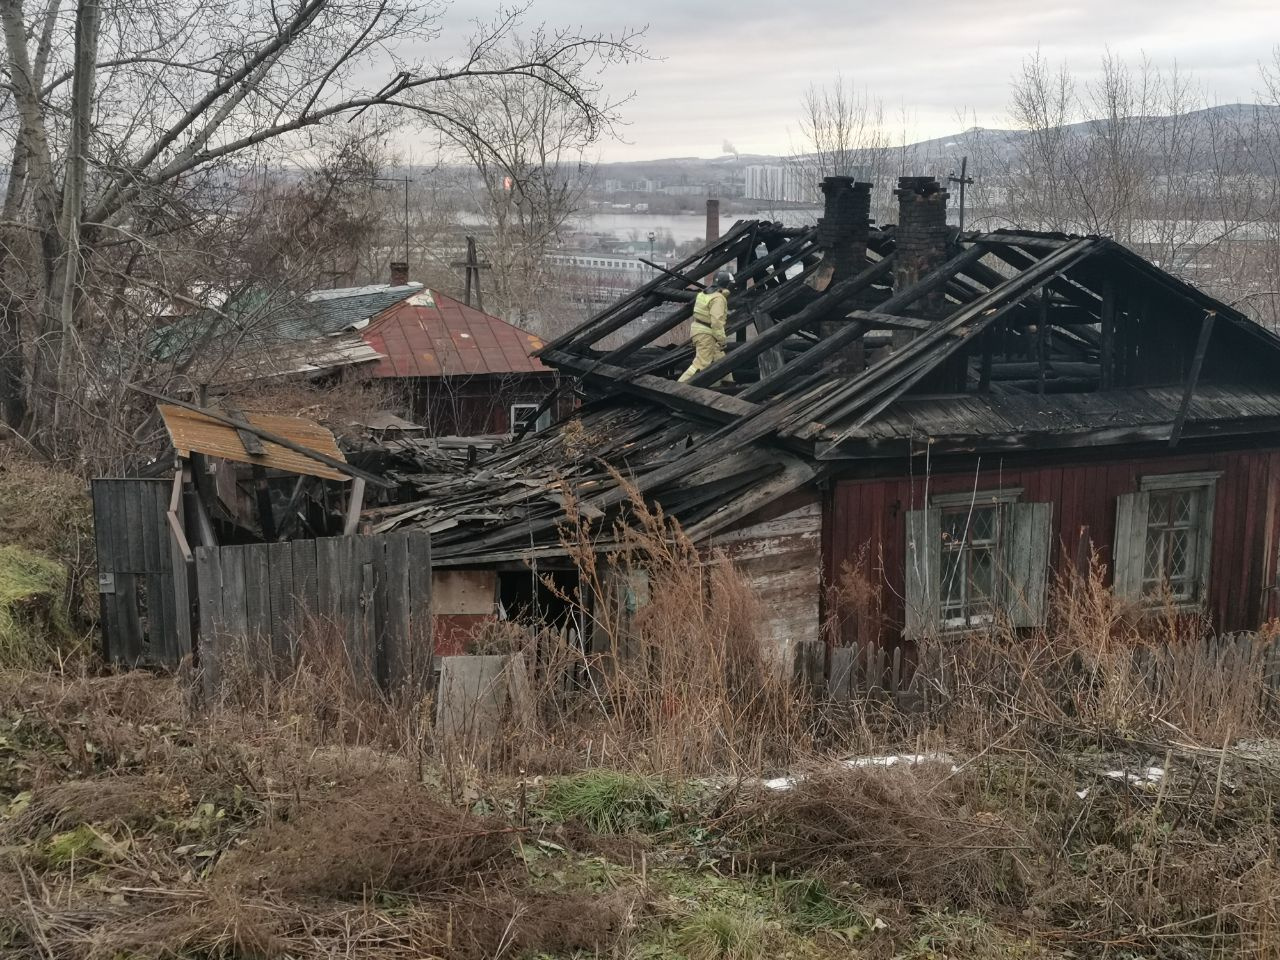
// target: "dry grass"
[[373, 836], [672, 677], [917, 833]]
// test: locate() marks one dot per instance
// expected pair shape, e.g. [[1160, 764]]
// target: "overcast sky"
[[736, 72]]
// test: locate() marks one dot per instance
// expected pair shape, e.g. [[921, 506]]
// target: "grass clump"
[[721, 935], [610, 801], [32, 608]]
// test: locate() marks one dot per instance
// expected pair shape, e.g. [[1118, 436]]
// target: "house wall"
[[779, 552], [480, 405], [868, 517], [463, 600]]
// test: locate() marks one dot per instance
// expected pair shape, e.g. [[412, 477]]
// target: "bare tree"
[[1138, 154], [135, 122], [527, 148]]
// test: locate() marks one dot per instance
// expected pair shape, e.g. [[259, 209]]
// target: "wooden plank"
[[280, 579], [211, 643], [257, 597], [347, 616], [135, 521], [234, 615], [184, 603], [252, 445], [839, 684], [368, 575], [306, 587], [328, 581], [395, 625], [422, 641], [1108, 347], [1193, 378], [130, 625], [355, 502]]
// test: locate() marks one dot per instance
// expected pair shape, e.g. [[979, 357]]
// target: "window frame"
[[1001, 500], [513, 423], [1204, 484]]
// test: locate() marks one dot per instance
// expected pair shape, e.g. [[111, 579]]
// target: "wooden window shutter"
[[1128, 553], [924, 562], [1205, 544], [1027, 562]]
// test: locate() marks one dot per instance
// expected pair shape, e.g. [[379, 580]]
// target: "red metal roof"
[[431, 335]]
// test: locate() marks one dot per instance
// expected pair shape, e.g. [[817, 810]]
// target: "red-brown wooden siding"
[[871, 514]]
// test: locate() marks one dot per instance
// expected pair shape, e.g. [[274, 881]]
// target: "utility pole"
[[473, 265], [963, 180]]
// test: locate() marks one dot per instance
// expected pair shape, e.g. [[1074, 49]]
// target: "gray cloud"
[[737, 73]]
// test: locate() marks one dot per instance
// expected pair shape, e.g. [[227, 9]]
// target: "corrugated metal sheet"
[[431, 335], [195, 433]]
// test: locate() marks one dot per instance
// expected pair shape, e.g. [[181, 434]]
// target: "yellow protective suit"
[[710, 312]]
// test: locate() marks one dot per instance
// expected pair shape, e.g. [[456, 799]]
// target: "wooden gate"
[[372, 593], [144, 609]]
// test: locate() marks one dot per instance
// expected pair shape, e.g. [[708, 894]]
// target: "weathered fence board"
[[373, 592], [868, 671], [142, 583]]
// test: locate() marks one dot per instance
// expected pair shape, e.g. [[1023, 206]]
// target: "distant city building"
[[687, 190], [776, 182]]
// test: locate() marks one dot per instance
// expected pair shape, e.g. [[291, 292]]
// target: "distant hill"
[[1004, 144]]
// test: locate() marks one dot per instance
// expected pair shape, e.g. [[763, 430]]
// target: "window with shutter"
[[1164, 533], [974, 558]]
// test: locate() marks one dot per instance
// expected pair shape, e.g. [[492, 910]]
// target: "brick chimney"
[[845, 224], [399, 273], [921, 239], [842, 234], [713, 220]]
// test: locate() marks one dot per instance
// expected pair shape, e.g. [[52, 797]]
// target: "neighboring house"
[[959, 415], [462, 371]]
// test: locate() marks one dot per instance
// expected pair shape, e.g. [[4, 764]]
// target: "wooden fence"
[[374, 592], [928, 674]]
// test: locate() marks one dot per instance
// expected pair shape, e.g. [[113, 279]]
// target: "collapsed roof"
[[852, 344]]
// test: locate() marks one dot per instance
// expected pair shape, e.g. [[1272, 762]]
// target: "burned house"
[[960, 413]]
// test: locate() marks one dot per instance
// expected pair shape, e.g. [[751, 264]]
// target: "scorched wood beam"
[[891, 377], [899, 301], [592, 327], [834, 299]]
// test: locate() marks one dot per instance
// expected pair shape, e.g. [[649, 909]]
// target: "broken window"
[[973, 559], [523, 414], [971, 564], [1163, 536]]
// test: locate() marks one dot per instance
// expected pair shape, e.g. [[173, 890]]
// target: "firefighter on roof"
[[707, 333]]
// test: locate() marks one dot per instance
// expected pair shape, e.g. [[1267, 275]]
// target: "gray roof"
[[326, 312], [259, 319]]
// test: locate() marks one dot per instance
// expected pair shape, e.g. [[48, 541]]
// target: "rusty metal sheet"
[[432, 335], [195, 433]]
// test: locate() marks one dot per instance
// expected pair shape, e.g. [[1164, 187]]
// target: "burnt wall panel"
[[781, 557]]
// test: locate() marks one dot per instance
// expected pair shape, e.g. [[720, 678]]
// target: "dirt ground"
[[135, 824]]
